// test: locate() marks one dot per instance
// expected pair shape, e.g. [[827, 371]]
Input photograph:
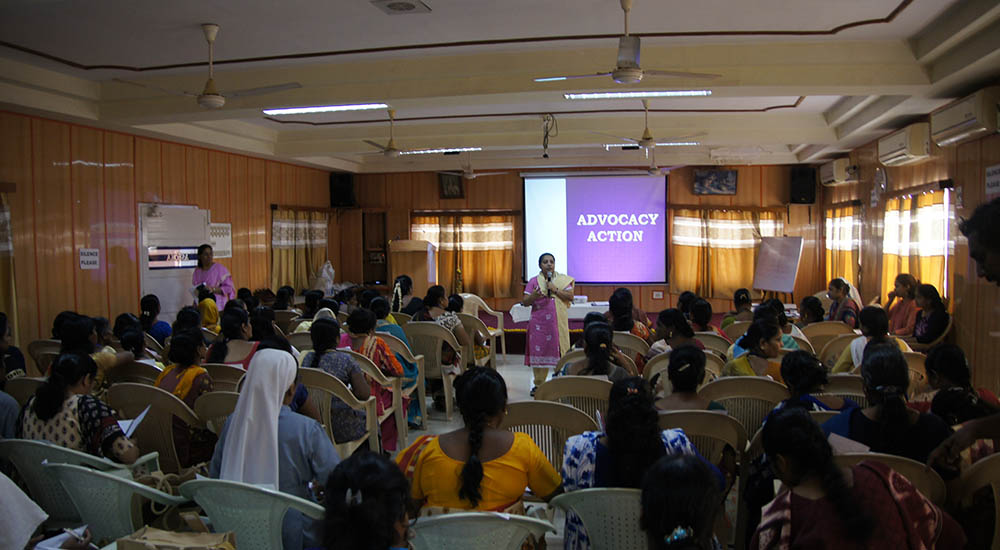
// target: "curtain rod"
[[734, 208], [487, 212], [310, 208]]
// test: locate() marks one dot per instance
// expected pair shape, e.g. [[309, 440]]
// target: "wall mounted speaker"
[[342, 190], [803, 185]]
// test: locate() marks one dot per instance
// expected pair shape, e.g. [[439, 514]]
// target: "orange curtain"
[[298, 246], [843, 243], [916, 240], [713, 252], [475, 253]]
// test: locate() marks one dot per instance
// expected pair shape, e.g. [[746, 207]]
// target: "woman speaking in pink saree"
[[214, 276], [549, 295]]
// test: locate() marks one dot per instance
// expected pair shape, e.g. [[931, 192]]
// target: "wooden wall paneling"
[[196, 176], [968, 177], [988, 325], [775, 182], [427, 193], [172, 173], [321, 187], [56, 251], [680, 188], [16, 167], [748, 186], [499, 192], [148, 170], [351, 253], [259, 223], [287, 184], [220, 200], [120, 211], [87, 180], [272, 194], [398, 202], [370, 189], [239, 215]]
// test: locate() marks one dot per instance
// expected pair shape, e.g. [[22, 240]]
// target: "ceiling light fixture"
[[609, 146], [441, 151], [639, 95], [325, 109]]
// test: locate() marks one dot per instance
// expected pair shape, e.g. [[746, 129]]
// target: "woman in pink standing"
[[549, 295], [214, 276]]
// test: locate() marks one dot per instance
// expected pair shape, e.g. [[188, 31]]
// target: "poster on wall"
[[992, 182], [221, 238]]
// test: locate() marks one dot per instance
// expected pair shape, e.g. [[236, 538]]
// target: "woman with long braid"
[[493, 465], [868, 505]]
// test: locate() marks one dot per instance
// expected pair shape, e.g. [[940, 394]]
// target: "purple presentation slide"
[[616, 229]]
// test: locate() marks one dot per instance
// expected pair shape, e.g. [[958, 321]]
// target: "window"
[[713, 251], [916, 239], [843, 243]]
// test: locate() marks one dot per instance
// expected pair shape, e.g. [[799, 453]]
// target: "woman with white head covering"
[[265, 443]]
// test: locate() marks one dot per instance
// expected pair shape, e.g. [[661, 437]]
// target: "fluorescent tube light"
[[639, 95], [609, 146], [550, 79], [325, 109], [444, 150]]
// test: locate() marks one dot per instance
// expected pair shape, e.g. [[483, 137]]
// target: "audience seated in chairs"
[[187, 380], [902, 307], [134, 341], [479, 466], [599, 348], [361, 330], [265, 443], [347, 424], [773, 311], [328, 309], [680, 504], [209, 310], [805, 377], [64, 412], [79, 336], [844, 307], [701, 318], [950, 377], [623, 316], [380, 307], [620, 455], [188, 317], [367, 500], [149, 307], [763, 344], [686, 372], [233, 347], [821, 507], [403, 299], [874, 322], [744, 308], [13, 359], [672, 331], [810, 311], [283, 300], [889, 426], [932, 319]]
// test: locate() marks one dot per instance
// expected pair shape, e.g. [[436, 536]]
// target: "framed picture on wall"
[[452, 186], [714, 182]]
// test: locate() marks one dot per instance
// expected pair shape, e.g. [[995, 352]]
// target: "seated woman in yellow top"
[[874, 323], [480, 466], [763, 342]]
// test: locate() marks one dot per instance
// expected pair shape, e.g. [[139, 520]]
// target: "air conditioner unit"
[[906, 146], [967, 118], [838, 172]]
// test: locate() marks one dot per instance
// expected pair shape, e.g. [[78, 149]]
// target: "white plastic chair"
[[472, 305], [224, 377], [610, 516], [22, 388], [323, 389], [426, 338], [474, 325], [105, 499], [253, 513], [27, 455], [476, 531], [302, 341]]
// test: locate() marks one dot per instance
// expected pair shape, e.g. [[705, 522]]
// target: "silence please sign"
[[992, 182], [90, 258]]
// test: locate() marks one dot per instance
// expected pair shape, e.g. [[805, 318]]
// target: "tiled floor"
[[519, 382]]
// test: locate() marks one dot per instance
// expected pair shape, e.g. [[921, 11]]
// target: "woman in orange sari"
[[361, 328], [623, 319]]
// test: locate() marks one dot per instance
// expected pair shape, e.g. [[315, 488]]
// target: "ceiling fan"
[[469, 174], [389, 149], [210, 97], [628, 71], [647, 141]]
